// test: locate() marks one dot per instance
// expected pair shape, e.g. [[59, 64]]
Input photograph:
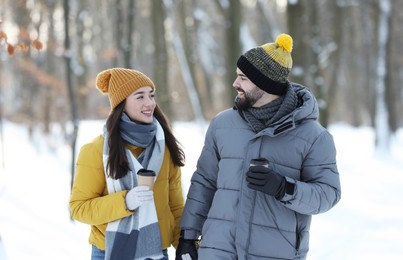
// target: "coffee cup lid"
[[145, 172]]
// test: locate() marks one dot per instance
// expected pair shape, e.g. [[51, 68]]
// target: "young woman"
[[130, 221]]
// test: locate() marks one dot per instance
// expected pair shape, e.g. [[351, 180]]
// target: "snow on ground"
[[35, 187]]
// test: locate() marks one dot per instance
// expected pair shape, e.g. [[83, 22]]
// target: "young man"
[[266, 167]]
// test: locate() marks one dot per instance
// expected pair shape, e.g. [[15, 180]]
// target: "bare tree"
[[69, 84], [118, 32], [381, 120], [330, 58], [124, 14], [233, 18], [393, 90], [160, 64], [79, 65], [298, 26], [304, 26], [185, 68], [128, 45], [50, 67]]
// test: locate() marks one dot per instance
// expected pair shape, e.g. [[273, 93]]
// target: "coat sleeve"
[[202, 189], [319, 187], [89, 202], [175, 199]]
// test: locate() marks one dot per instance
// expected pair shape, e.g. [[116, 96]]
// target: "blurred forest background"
[[346, 51]]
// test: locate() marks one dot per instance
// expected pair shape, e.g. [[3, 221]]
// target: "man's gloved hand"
[[261, 178], [187, 249], [137, 196]]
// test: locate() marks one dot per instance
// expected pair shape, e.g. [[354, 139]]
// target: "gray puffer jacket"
[[236, 222]]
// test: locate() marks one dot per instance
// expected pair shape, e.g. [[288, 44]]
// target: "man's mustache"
[[239, 90]]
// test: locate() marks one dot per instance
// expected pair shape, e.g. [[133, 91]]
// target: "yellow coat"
[[90, 202]]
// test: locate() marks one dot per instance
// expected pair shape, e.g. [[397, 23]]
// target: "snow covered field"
[[35, 187]]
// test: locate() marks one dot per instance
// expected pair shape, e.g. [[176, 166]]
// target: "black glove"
[[186, 246], [261, 178]]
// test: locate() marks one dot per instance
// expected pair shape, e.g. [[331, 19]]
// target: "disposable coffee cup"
[[259, 162], [146, 178]]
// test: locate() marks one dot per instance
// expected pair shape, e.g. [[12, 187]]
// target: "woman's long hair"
[[118, 164]]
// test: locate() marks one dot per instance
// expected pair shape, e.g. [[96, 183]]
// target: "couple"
[[266, 167]]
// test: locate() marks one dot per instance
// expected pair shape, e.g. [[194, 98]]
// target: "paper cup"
[[146, 178]]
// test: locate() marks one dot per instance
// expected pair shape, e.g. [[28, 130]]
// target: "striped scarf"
[[138, 235]]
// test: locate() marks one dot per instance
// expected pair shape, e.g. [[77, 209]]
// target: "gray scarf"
[[262, 117], [140, 135]]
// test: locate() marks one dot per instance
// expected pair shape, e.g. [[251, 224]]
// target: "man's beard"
[[248, 99]]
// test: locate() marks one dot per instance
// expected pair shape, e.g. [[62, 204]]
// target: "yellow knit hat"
[[119, 83], [268, 66]]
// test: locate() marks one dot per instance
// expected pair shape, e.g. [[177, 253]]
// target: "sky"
[[35, 222]]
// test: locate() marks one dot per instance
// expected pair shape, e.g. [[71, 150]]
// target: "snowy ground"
[[35, 187]]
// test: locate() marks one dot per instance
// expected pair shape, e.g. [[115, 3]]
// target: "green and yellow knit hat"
[[119, 83], [268, 66]]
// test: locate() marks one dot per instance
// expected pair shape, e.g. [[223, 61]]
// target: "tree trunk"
[[82, 77], [161, 58], [233, 45], [185, 68], [118, 33], [392, 90], [69, 84], [382, 130], [233, 18], [127, 49], [335, 65], [296, 18], [304, 27]]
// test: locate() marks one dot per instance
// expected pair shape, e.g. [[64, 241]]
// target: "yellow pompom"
[[102, 81], [285, 42]]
